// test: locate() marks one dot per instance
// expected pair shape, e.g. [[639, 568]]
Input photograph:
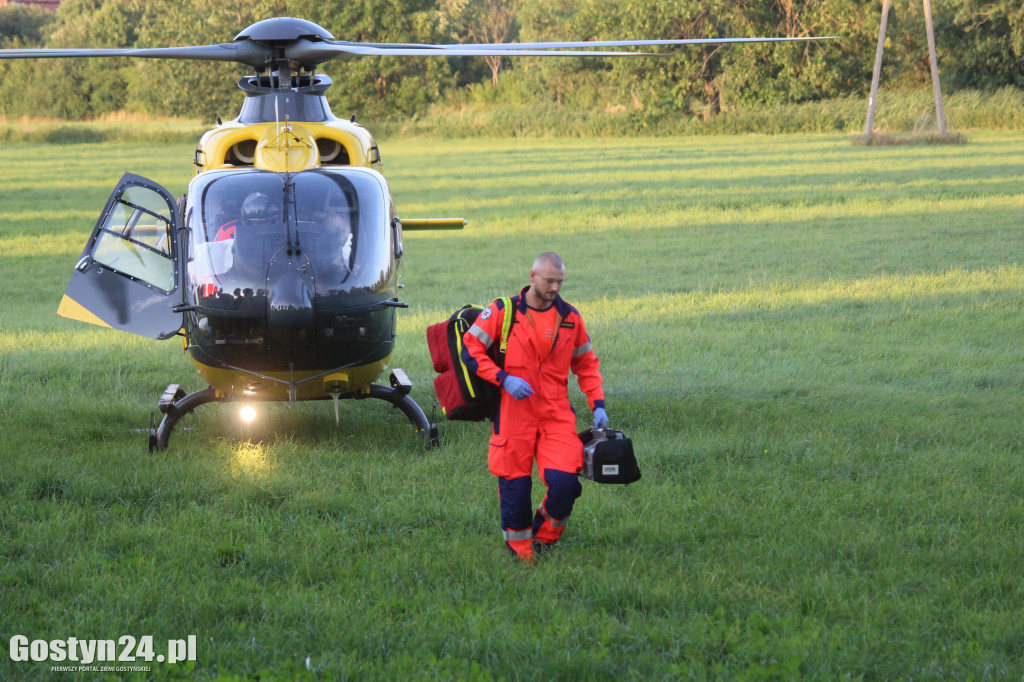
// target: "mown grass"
[[814, 346]]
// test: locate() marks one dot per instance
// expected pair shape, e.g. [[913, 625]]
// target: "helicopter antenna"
[[291, 214], [277, 114], [290, 207]]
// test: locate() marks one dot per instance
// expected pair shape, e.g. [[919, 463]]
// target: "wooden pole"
[[940, 113], [869, 126]]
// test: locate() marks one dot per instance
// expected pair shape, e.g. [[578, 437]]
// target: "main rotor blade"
[[310, 53], [242, 52], [596, 43]]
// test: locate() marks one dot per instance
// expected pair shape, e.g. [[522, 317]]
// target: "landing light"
[[248, 413]]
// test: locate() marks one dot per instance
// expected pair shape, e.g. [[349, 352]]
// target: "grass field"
[[815, 346]]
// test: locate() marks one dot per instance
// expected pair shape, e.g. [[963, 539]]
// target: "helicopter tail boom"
[[434, 223]]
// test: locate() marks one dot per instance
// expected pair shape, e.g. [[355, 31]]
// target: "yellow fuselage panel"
[[245, 386], [292, 148], [285, 147]]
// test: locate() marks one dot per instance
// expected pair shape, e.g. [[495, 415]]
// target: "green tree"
[[186, 87], [79, 88], [23, 26], [795, 72], [980, 43], [482, 21], [381, 86], [687, 81], [20, 26]]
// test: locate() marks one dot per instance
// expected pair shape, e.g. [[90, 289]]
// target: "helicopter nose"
[[291, 314], [290, 302]]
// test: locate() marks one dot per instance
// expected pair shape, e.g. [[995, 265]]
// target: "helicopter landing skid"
[[398, 395], [175, 403]]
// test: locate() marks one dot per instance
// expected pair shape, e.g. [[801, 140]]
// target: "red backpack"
[[461, 393]]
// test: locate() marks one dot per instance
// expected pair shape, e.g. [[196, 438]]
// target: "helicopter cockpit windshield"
[[240, 221]]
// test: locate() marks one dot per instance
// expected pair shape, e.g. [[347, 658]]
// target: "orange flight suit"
[[542, 426]]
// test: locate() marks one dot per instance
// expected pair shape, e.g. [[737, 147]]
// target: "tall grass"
[[814, 346], [899, 111], [122, 127]]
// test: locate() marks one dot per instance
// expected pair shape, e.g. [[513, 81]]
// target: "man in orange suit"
[[534, 420]]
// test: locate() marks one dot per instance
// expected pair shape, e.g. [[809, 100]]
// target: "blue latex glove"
[[516, 387], [600, 418]]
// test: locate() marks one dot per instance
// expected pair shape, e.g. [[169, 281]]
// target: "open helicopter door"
[[128, 277]]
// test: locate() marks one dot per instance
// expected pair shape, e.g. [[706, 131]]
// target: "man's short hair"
[[549, 258]]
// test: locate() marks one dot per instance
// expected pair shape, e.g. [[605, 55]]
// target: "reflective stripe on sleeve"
[[482, 335], [582, 350], [511, 535]]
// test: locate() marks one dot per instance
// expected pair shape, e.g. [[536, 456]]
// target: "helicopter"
[[278, 267]]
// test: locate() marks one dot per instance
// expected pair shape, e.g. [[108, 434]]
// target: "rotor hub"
[[284, 30]]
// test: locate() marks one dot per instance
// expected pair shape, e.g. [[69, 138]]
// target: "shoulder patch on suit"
[[485, 314]]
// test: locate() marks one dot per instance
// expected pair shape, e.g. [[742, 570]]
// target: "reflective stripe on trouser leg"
[[554, 511], [555, 523], [546, 528], [514, 494], [517, 535], [520, 542]]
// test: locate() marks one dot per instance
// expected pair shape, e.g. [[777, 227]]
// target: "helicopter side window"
[[135, 239]]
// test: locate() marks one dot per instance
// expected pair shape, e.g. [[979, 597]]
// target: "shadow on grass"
[[884, 140]]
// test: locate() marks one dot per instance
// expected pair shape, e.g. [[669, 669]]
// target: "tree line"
[[980, 46]]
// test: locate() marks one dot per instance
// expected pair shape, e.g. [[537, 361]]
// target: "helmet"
[[258, 207]]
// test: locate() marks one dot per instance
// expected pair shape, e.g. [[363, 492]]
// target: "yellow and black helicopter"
[[279, 265]]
